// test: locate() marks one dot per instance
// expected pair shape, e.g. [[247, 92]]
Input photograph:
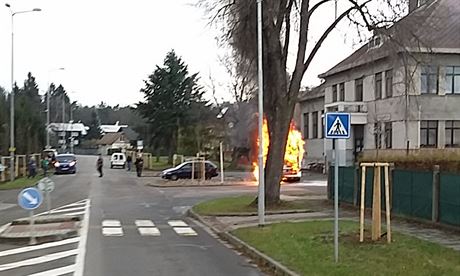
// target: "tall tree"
[[94, 129], [284, 22], [4, 107], [169, 94]]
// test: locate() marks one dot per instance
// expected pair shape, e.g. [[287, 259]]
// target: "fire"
[[294, 149]]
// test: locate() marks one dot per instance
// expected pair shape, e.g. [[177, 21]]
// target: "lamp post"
[[48, 95], [12, 148], [261, 197]]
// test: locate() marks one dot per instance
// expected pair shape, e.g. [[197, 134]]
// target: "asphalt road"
[[133, 229]]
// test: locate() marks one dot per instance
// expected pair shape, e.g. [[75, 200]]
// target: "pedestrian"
[[129, 161], [32, 166], [45, 165], [99, 165], [139, 165]]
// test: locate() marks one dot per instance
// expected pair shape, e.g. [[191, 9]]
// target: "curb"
[[45, 220], [250, 214], [262, 260], [193, 186]]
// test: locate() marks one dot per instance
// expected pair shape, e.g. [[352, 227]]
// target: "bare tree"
[[286, 22]]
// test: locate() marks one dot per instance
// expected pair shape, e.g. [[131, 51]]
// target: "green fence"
[[411, 192], [449, 199]]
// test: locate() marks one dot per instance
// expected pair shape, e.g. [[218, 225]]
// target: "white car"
[[118, 160]]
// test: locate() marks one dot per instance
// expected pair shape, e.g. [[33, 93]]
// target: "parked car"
[[184, 170], [290, 175], [65, 163], [118, 160]]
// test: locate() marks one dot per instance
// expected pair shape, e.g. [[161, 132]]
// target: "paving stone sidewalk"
[[443, 237]]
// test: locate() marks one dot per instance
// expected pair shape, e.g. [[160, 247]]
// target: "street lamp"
[[261, 197], [48, 145], [12, 148]]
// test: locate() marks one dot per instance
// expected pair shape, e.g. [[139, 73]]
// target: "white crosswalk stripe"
[[152, 231], [177, 223], [185, 231], [111, 223], [112, 231], [45, 259], [144, 223]]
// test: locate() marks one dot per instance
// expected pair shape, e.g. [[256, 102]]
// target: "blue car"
[[65, 163]]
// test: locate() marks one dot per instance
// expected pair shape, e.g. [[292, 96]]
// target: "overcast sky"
[[108, 47]]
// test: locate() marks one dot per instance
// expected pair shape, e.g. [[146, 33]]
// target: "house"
[[111, 142], [402, 88], [112, 128], [69, 132]]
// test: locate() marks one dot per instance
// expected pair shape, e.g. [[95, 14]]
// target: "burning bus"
[[292, 157]]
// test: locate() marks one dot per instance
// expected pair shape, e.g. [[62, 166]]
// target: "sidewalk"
[[443, 237]]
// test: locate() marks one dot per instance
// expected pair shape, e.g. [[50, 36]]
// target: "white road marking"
[[56, 272], [112, 232], [144, 223], [3, 228], [39, 260], [153, 231], [185, 231], [80, 260], [38, 247], [111, 223], [74, 214], [73, 205], [177, 223], [68, 210]]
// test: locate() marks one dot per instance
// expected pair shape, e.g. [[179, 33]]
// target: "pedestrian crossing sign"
[[337, 125]]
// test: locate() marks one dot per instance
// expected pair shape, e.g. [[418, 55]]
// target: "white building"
[[400, 98]]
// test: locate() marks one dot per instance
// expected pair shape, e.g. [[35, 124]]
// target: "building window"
[[388, 135], [378, 135], [334, 93], [342, 92], [453, 80], [305, 125], [378, 86], [428, 134], [452, 134], [389, 83], [429, 78], [315, 124], [359, 90]]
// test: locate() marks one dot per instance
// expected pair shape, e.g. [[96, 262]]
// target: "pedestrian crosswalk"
[[145, 227], [61, 257]]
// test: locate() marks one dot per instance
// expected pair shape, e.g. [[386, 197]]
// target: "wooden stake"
[[387, 207], [363, 197], [376, 207]]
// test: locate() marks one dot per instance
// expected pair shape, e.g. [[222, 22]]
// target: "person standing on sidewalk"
[[129, 161], [99, 165], [32, 167], [45, 166], [139, 165]]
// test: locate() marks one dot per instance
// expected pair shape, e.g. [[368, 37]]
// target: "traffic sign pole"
[[336, 201], [33, 240], [48, 201]]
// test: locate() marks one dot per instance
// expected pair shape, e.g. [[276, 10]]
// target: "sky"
[[108, 47]]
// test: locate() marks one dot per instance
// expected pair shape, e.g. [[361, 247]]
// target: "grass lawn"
[[20, 183], [161, 165], [241, 204], [307, 248]]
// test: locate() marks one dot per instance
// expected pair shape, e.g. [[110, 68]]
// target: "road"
[[133, 229]]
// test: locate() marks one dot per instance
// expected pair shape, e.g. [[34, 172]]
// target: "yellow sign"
[[12, 149]]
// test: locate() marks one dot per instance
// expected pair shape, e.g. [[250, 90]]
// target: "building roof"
[[310, 94], [110, 138], [433, 28], [112, 128], [74, 127]]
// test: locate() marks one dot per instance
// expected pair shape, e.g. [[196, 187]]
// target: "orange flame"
[[294, 149]]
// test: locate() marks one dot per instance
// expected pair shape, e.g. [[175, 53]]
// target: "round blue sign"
[[30, 198]]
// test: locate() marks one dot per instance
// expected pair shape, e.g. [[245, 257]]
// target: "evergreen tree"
[[94, 129], [169, 93]]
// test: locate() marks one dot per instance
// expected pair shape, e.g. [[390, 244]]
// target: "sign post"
[[337, 127], [46, 185], [30, 199]]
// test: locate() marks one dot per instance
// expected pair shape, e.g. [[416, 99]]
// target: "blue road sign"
[[30, 198], [337, 125]]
